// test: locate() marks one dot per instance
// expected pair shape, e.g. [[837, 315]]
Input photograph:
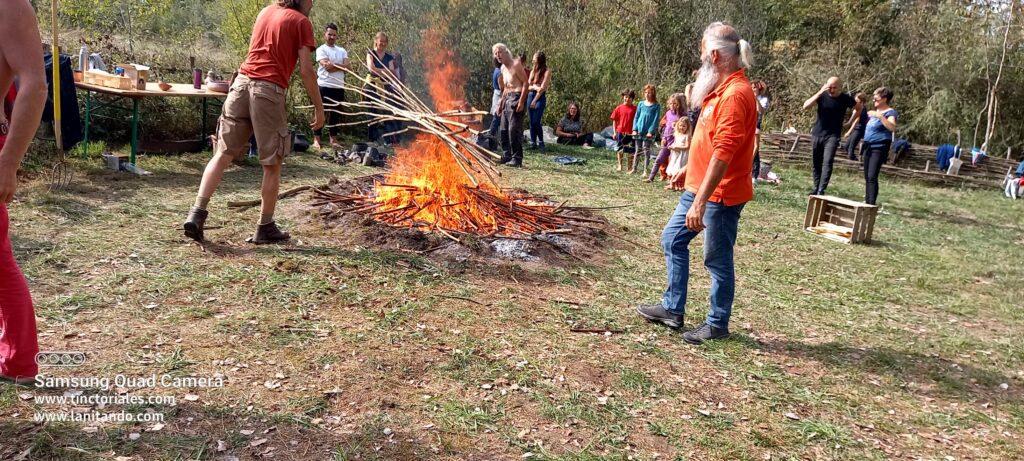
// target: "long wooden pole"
[[55, 56]]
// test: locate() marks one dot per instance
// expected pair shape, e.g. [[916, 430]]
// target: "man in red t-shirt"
[[622, 118], [21, 56], [256, 106]]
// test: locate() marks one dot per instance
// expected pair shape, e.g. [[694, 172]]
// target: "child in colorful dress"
[[680, 147], [622, 117], [645, 127], [676, 110]]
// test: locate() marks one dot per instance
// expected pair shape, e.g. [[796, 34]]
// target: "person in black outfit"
[[858, 121], [832, 105], [381, 66]]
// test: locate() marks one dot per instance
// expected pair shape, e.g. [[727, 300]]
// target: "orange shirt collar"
[[739, 74]]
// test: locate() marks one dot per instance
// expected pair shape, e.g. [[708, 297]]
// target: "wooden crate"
[[108, 80], [840, 219]]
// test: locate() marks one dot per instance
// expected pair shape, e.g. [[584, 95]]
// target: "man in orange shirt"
[[717, 184], [256, 104]]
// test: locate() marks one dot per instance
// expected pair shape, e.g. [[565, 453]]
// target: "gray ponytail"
[[746, 54], [723, 38]]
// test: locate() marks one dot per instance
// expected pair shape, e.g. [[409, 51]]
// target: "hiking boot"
[[194, 223], [26, 381], [268, 233], [657, 313], [703, 333]]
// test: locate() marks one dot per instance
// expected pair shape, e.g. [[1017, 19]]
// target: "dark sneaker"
[[268, 233], [532, 147], [194, 223], [703, 333], [657, 313], [504, 160], [515, 164]]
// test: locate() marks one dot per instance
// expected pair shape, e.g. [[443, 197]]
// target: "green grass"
[[871, 345]]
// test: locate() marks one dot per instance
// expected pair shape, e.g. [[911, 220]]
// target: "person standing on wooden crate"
[[330, 78], [832, 105], [256, 104], [21, 57], [877, 140], [717, 184]]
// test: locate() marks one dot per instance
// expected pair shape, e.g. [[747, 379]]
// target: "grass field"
[[908, 348]]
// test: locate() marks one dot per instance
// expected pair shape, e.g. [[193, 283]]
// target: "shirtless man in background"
[[512, 106]]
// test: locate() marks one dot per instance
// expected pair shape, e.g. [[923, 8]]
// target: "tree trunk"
[[990, 127]]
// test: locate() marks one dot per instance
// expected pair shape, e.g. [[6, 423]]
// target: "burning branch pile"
[[508, 213], [443, 181]]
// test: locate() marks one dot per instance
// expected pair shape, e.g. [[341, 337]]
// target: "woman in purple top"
[[676, 109]]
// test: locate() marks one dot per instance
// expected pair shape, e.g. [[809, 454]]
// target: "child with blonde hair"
[[680, 148], [676, 110]]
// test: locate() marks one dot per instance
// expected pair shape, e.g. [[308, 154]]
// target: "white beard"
[[707, 80]]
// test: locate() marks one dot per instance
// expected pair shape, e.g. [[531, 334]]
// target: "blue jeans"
[[536, 132], [721, 223]]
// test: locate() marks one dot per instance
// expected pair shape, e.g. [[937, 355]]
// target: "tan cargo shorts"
[[255, 107]]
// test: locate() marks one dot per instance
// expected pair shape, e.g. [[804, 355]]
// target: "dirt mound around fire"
[[568, 247]]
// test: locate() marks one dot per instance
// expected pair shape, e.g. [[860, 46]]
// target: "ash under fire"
[[540, 230]]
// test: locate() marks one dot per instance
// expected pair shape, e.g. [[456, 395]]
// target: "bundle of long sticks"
[[399, 103], [511, 214]]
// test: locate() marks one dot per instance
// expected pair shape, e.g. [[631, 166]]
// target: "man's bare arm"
[[309, 82], [328, 65], [21, 56], [814, 99]]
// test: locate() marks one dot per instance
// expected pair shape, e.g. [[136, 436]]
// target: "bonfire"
[[443, 181]]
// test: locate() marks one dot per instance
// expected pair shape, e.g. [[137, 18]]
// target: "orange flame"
[[426, 186]]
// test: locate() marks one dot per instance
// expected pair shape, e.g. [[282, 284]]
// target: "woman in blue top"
[[497, 84], [382, 69], [877, 140]]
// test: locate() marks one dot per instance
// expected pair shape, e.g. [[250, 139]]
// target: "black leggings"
[[874, 156]]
